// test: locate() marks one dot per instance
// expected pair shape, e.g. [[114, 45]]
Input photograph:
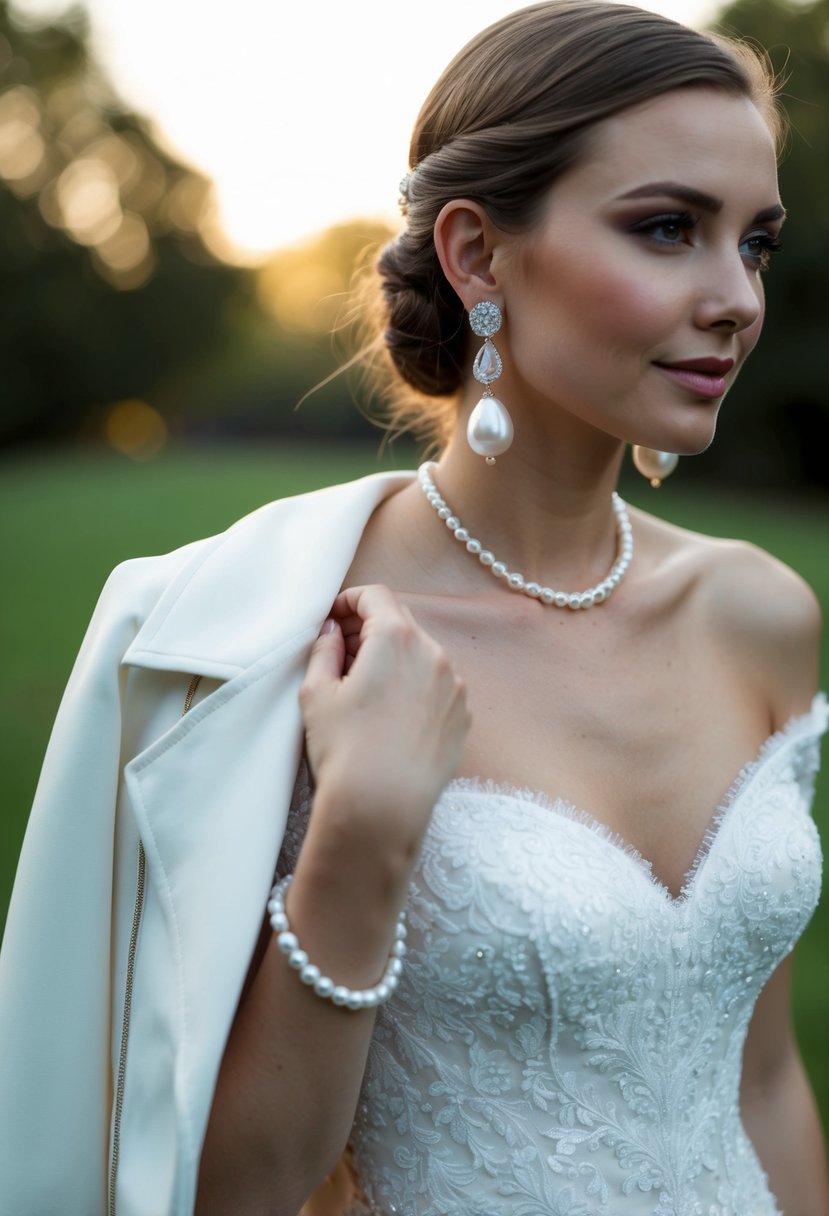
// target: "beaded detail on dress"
[[567, 1036]]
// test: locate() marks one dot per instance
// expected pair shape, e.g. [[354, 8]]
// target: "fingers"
[[357, 605], [371, 611], [327, 659]]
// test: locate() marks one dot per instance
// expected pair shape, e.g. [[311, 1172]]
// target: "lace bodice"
[[567, 1037]]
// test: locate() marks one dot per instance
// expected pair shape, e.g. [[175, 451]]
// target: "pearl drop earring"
[[656, 466], [489, 431]]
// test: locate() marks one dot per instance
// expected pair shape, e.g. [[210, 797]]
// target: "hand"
[[385, 718]]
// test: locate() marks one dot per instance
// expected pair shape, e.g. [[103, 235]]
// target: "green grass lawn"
[[68, 518]]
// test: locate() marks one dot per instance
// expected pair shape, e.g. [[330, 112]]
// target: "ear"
[[465, 239]]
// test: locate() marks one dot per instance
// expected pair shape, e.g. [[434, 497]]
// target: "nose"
[[731, 295]]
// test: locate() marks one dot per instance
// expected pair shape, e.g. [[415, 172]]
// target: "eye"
[[669, 228], [758, 247]]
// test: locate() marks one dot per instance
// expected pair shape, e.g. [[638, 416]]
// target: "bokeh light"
[[135, 429], [22, 147]]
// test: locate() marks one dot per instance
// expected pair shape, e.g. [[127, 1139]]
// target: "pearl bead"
[[340, 995], [297, 959], [355, 1000], [395, 967], [444, 512], [499, 569], [323, 986], [547, 595], [452, 522], [516, 581], [486, 558], [287, 942], [462, 535], [533, 590], [279, 922], [561, 599], [398, 948], [309, 974], [473, 546]]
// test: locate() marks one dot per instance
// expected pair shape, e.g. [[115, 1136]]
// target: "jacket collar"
[[268, 578]]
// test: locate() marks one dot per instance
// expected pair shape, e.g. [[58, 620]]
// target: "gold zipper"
[[125, 1025], [137, 911]]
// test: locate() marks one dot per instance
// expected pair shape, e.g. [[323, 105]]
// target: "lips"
[[701, 377], [708, 366]]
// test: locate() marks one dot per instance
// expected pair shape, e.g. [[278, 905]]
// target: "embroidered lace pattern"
[[567, 1037]]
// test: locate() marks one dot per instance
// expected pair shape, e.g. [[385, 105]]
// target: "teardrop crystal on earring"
[[654, 465], [489, 431], [488, 364]]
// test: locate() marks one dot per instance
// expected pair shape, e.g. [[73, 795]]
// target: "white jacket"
[[206, 795]]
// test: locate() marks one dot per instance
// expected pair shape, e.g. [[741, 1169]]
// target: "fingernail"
[[329, 626]]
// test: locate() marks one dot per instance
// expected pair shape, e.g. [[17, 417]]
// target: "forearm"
[[781, 1119], [291, 1073]]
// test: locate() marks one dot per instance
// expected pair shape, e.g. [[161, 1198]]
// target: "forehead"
[[705, 138]]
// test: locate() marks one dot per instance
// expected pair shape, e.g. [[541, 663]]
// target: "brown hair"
[[511, 112]]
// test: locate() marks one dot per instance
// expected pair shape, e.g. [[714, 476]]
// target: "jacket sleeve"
[[55, 1083]]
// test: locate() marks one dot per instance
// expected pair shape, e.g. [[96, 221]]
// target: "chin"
[[693, 440]]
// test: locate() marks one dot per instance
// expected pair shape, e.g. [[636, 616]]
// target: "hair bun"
[[424, 334]]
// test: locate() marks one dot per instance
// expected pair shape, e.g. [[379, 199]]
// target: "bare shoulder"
[[762, 613], [759, 588]]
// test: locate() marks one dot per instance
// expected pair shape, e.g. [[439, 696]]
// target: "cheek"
[[609, 308]]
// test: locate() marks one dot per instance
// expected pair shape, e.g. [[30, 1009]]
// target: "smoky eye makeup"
[[665, 227]]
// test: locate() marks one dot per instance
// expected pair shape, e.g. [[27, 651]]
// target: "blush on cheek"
[[624, 308]]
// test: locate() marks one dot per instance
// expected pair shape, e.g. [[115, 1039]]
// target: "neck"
[[546, 510]]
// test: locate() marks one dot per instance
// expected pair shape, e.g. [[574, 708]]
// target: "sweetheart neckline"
[[811, 723]]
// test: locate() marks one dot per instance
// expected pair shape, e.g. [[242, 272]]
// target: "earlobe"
[[464, 240]]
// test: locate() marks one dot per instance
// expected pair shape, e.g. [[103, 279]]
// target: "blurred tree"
[[285, 352], [775, 427], [107, 283]]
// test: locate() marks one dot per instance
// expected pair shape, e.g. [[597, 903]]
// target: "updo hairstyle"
[[511, 113]]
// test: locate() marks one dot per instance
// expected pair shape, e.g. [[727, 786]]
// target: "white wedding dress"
[[567, 1037]]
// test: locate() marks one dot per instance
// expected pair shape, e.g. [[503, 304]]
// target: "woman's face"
[[634, 301]]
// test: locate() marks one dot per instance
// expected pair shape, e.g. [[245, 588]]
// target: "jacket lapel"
[[261, 582]]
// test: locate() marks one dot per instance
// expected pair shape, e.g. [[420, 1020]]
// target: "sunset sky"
[[300, 112]]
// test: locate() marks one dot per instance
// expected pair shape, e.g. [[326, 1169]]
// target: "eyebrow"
[[698, 198]]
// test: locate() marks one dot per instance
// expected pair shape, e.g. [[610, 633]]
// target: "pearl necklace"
[[516, 581]]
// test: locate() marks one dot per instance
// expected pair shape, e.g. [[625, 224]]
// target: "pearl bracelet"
[[309, 973]]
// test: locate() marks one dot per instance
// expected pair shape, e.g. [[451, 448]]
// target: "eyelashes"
[[670, 227], [765, 244], [669, 221]]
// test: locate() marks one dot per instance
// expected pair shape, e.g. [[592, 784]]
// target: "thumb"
[[325, 665]]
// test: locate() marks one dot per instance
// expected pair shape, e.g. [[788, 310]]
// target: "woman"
[[594, 188]]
